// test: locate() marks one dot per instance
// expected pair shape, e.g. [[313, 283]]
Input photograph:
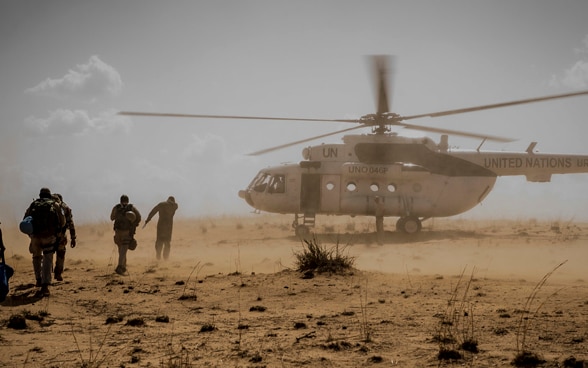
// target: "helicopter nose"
[[246, 196]]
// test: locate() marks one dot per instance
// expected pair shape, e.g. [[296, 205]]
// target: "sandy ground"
[[230, 297]]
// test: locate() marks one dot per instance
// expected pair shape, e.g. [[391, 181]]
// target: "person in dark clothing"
[[48, 221], [126, 218], [379, 212], [165, 223]]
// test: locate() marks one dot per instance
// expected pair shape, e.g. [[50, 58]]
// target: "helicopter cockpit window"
[[391, 188], [277, 184], [374, 187], [260, 182], [351, 187]]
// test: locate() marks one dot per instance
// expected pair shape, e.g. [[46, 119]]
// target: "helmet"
[[130, 215], [45, 193], [26, 225]]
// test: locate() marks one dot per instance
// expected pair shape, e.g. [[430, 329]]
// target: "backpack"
[[121, 222], [48, 220]]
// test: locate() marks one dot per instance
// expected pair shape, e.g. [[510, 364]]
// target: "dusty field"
[[230, 297]]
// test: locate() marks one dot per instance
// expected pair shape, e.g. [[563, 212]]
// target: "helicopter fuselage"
[[414, 178]]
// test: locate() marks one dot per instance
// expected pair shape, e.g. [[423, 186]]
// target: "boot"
[[58, 276], [45, 290], [39, 283]]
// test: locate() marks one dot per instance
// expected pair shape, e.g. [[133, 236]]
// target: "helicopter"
[[383, 174]]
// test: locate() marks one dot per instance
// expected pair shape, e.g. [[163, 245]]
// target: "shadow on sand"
[[390, 237], [23, 295]]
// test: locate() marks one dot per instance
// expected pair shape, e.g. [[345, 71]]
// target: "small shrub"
[[470, 345], [316, 257], [338, 346], [448, 354], [256, 358], [188, 297], [162, 319], [113, 319], [136, 322], [208, 327], [527, 359], [500, 331], [376, 359], [17, 322], [299, 325]]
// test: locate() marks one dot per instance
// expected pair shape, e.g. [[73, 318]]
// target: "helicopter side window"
[[261, 182], [351, 186], [374, 187], [330, 186], [277, 184], [391, 188]]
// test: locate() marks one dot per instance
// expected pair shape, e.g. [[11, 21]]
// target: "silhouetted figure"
[[126, 218], [165, 223], [379, 212], [47, 221]]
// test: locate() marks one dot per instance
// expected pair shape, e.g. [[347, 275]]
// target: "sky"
[[68, 67]]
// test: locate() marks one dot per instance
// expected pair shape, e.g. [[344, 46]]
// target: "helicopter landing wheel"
[[409, 225], [302, 231]]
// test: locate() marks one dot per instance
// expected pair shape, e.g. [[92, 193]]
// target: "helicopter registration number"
[[365, 169]]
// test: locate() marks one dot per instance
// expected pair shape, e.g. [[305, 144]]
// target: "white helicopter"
[[383, 174]]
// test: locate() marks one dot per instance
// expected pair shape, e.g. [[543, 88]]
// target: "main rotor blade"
[[457, 132], [172, 115], [302, 141], [492, 106], [381, 67]]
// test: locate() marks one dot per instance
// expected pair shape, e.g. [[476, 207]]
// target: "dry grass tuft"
[[318, 258]]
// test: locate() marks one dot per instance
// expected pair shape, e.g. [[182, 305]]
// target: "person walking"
[[126, 218], [165, 223], [379, 212], [69, 225], [47, 221]]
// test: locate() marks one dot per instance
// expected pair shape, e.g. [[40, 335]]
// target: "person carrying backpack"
[[47, 221], [126, 219]]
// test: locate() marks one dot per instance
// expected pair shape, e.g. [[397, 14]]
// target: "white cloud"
[[86, 81], [64, 122], [577, 75]]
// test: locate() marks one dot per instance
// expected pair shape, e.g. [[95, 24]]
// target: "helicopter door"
[[310, 193], [330, 193]]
